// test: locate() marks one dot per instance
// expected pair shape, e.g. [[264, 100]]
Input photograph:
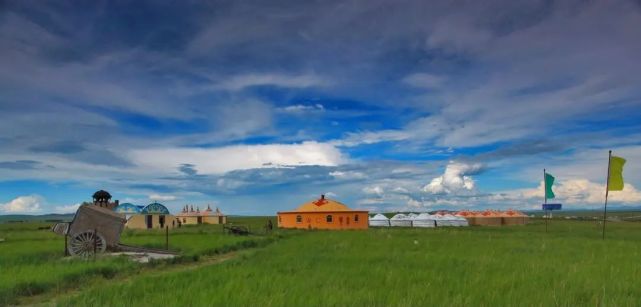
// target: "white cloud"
[[413, 203], [576, 192], [293, 81], [374, 190], [239, 157], [347, 175], [331, 195], [24, 204], [400, 190], [160, 197], [301, 108], [229, 184], [454, 180], [372, 137]]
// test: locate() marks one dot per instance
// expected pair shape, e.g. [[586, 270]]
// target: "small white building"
[[461, 221], [425, 220], [379, 220], [400, 220]]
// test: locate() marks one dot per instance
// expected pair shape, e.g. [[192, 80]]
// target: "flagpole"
[[545, 201], [607, 188]]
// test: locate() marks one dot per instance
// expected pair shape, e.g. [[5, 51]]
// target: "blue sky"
[[256, 106]]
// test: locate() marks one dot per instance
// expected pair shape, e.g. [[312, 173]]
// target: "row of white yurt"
[[378, 220], [418, 220]]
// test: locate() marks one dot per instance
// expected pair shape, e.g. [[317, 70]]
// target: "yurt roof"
[[378, 217], [323, 204], [424, 216], [399, 216], [155, 208]]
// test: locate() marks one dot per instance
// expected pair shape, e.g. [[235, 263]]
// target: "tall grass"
[[502, 266]]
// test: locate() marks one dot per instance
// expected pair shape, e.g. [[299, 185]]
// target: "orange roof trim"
[[322, 205]]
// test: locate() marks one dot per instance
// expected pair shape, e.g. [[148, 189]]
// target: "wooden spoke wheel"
[[82, 244]]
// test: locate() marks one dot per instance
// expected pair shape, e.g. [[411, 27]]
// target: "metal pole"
[[545, 201], [66, 251], [167, 237], [607, 186]]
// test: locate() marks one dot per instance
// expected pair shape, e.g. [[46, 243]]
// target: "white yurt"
[[412, 215], [400, 220], [450, 220], [441, 221], [378, 220], [461, 221], [424, 220]]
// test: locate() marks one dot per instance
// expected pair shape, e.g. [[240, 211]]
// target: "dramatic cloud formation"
[[240, 102]]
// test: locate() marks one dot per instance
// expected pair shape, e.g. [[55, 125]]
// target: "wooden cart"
[[96, 230]]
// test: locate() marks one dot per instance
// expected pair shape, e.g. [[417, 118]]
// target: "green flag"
[[615, 178], [549, 180]]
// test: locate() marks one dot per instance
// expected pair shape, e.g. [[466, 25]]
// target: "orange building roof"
[[490, 213], [322, 205]]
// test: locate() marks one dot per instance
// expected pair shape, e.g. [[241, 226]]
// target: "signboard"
[[551, 206]]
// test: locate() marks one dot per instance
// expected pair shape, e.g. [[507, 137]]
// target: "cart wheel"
[[82, 244]]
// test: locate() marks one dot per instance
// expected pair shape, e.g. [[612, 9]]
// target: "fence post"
[[66, 246], [167, 237]]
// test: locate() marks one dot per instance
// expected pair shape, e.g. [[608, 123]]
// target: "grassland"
[[569, 266], [504, 266], [32, 262]]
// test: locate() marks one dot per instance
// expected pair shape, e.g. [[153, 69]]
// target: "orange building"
[[323, 213]]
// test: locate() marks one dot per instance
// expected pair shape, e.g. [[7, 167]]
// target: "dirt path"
[[50, 298]]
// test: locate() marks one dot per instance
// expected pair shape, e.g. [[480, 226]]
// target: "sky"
[[260, 106]]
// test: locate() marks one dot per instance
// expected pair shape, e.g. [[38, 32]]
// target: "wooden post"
[[66, 246], [607, 186], [167, 237], [95, 243]]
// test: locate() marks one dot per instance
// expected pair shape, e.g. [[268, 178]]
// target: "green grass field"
[[32, 262], [504, 266]]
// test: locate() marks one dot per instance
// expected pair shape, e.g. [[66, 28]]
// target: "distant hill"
[[33, 218]]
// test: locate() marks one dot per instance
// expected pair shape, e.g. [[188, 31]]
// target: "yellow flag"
[[615, 178]]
